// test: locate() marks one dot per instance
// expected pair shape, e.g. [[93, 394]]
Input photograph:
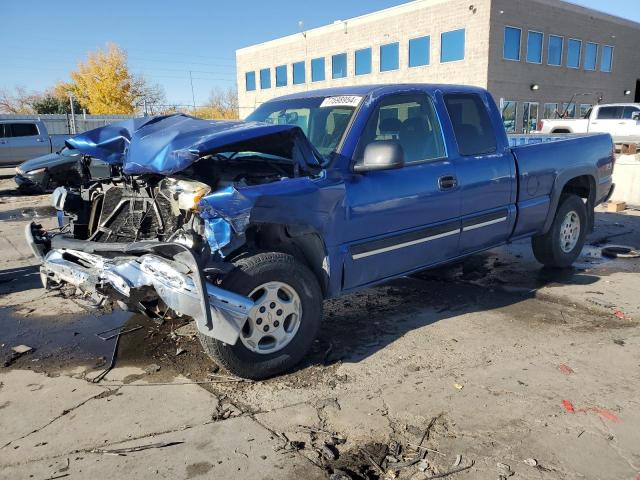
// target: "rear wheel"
[[562, 244], [283, 322]]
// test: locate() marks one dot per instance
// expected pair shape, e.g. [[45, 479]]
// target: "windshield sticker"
[[341, 101]]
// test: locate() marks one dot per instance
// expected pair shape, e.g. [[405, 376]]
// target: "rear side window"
[[410, 120], [24, 130], [609, 113], [629, 112], [471, 124]]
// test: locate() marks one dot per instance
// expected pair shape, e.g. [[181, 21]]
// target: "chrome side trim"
[[405, 244], [484, 224]]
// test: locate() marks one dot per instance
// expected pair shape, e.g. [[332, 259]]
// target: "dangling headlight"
[[186, 192]]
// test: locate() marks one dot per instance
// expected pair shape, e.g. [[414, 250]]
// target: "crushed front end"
[[156, 237]]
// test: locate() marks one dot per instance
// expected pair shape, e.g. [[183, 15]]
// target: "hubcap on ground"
[[274, 319], [569, 232]]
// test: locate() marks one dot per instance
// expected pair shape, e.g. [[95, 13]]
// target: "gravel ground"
[[491, 368]]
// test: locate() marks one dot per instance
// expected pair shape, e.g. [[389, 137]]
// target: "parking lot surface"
[[491, 368]]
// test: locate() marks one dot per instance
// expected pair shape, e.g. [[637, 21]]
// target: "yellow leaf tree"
[[104, 84]]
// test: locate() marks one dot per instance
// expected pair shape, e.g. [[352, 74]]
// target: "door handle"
[[2, 142], [39, 140], [447, 182]]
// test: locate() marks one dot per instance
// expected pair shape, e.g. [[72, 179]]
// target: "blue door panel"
[[400, 210], [485, 229]]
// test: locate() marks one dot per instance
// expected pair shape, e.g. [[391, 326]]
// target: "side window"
[[410, 120], [471, 124], [629, 112], [609, 113], [24, 130], [2, 134]]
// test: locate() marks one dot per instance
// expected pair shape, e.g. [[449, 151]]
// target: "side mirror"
[[381, 155], [635, 116]]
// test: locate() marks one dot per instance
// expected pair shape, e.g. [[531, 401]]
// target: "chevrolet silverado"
[[247, 226]]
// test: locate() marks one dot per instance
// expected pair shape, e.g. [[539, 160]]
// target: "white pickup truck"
[[22, 140], [620, 120]]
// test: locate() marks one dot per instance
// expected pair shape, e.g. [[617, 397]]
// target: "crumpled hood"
[[169, 144], [50, 160]]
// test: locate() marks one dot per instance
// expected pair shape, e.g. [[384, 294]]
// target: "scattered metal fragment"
[[368, 456], [101, 336], [458, 460], [112, 363], [421, 447], [180, 351], [532, 462], [124, 451], [452, 471]]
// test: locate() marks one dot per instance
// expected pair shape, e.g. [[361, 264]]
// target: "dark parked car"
[[66, 168], [247, 227]]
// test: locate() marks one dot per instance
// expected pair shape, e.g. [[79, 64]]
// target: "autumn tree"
[[105, 85], [222, 105]]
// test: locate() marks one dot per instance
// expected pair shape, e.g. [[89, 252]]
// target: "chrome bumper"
[[131, 279]]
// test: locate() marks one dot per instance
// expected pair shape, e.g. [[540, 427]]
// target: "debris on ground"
[[532, 462], [226, 410], [620, 314], [180, 351], [458, 386], [22, 349], [601, 412], [189, 330], [566, 369], [153, 368], [504, 471], [123, 451], [17, 352]]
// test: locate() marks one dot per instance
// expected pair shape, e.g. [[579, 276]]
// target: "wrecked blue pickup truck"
[[247, 226]]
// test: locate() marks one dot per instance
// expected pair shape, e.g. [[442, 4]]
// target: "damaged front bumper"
[[142, 272]]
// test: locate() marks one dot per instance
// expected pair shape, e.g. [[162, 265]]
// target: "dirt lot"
[[491, 369]]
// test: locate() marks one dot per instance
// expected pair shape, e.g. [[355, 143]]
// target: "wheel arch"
[[582, 184], [301, 241]]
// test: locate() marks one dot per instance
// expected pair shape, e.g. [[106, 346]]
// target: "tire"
[[556, 248], [293, 278]]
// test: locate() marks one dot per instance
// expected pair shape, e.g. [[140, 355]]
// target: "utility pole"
[[193, 95], [73, 115]]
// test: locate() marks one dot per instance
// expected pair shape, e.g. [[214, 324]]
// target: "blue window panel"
[[419, 51], [281, 76], [511, 46], [574, 52], [339, 65], [591, 56], [265, 78], [534, 47], [250, 81], [363, 61], [606, 61], [452, 46], [389, 57], [299, 74], [317, 69], [554, 55]]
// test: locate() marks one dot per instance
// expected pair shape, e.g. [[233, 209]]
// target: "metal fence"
[[67, 124]]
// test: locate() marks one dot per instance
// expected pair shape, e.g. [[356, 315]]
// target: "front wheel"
[[562, 244], [283, 322]]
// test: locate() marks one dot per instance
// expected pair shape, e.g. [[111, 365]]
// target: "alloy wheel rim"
[[274, 319], [569, 232]]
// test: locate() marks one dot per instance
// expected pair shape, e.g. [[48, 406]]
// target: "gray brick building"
[[538, 58]]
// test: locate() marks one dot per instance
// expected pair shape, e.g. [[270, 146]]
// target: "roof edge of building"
[[339, 24], [570, 5]]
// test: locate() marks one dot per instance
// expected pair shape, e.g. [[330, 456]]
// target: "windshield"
[[323, 119]]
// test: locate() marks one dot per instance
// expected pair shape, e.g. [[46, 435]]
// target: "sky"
[[42, 40]]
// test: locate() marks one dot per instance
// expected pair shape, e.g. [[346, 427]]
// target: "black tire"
[[250, 273], [547, 248]]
